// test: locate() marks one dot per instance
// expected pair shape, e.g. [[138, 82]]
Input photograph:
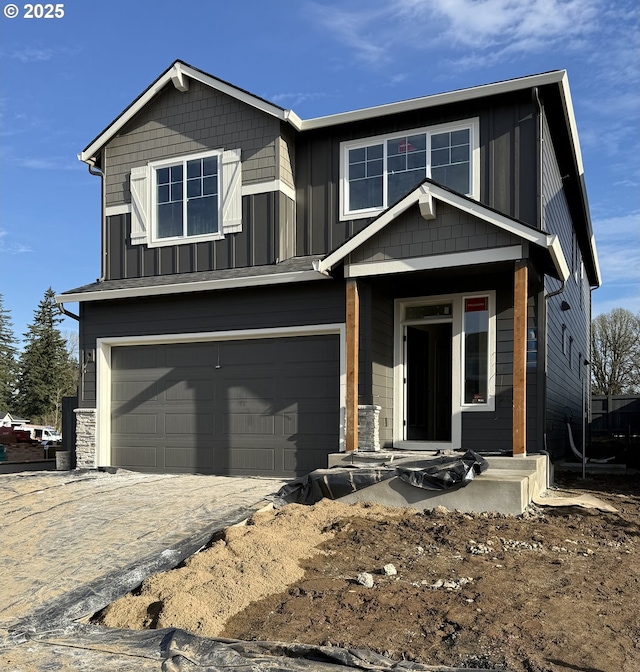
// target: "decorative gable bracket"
[[426, 203], [179, 79]]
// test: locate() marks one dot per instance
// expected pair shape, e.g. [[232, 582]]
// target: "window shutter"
[[231, 192], [139, 204]]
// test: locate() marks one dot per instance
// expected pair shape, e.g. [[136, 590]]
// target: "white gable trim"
[[178, 73], [420, 195]]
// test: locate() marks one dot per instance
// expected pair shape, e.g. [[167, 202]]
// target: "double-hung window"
[[186, 197], [377, 172]]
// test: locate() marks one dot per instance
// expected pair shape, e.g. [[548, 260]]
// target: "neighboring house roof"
[[555, 82], [298, 269], [424, 195]]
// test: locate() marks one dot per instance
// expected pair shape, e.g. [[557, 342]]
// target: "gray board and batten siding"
[[568, 331], [508, 164], [267, 220]]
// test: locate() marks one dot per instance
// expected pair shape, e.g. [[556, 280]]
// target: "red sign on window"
[[475, 304], [406, 146]]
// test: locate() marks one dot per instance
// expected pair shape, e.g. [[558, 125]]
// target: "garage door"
[[263, 407]]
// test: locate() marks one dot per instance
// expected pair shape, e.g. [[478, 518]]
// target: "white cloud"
[[11, 247], [482, 31], [618, 242], [293, 99], [32, 55], [36, 163]]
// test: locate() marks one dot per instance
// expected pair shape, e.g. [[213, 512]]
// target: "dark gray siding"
[[494, 431], [410, 235], [286, 305], [507, 165], [382, 364], [267, 235], [566, 375], [481, 431]]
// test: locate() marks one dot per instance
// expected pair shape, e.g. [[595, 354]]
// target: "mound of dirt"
[[553, 590]]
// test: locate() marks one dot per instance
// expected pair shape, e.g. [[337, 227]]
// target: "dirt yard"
[[554, 590]]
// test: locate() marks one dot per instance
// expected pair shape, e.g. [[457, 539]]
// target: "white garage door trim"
[[103, 368]]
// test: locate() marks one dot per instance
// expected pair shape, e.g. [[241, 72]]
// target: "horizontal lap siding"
[[567, 376], [382, 365], [253, 308]]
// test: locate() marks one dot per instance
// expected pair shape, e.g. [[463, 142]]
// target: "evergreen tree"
[[8, 360], [47, 373]]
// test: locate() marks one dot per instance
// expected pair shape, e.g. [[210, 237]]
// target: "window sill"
[[171, 242]]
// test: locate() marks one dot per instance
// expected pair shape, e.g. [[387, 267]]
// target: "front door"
[[428, 382]]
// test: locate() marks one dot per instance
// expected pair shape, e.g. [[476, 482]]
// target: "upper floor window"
[[377, 172], [186, 199]]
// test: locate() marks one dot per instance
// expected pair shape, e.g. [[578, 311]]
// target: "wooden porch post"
[[520, 359], [352, 338]]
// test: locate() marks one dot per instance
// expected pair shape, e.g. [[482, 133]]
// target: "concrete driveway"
[[73, 541]]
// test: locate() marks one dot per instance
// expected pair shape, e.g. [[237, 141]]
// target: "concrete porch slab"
[[508, 486]]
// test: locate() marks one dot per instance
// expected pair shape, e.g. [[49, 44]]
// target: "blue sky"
[[62, 80]]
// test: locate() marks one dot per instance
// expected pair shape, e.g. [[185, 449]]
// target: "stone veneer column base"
[[85, 438], [369, 427]]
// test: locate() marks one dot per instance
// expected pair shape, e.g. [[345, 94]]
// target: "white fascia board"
[[478, 210], [570, 116], [452, 260], [434, 100], [177, 71], [555, 250], [324, 265], [188, 287], [427, 189]]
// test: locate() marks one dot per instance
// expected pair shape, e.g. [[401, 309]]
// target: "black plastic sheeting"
[[443, 473], [175, 650], [90, 598], [438, 473]]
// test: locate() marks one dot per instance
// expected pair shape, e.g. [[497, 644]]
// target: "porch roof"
[[425, 195]]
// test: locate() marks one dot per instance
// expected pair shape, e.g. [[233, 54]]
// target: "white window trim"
[[473, 124], [104, 368], [154, 241], [457, 365], [490, 404], [143, 205]]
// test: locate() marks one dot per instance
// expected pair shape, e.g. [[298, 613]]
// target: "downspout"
[[64, 311], [103, 241]]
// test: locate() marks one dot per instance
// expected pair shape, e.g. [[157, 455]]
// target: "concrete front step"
[[508, 486]]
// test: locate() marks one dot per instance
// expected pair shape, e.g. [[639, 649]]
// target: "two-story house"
[[414, 275]]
